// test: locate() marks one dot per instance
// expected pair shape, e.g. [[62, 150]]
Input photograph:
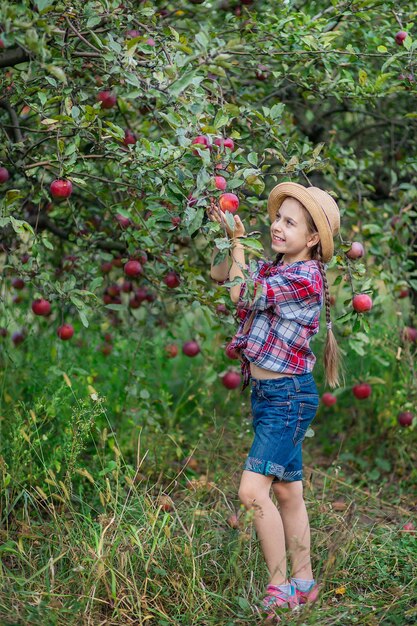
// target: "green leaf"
[[44, 4], [253, 244], [253, 158], [221, 119], [20, 226], [183, 82], [83, 317], [202, 40]]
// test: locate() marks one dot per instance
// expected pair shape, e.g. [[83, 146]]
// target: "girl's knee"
[[249, 496], [288, 493]]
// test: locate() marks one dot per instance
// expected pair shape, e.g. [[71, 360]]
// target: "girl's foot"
[[277, 599], [305, 597]]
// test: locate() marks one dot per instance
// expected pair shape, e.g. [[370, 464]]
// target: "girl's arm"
[[219, 272], [238, 263], [222, 272]]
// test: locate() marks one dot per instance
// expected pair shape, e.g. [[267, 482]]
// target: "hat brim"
[[300, 193]]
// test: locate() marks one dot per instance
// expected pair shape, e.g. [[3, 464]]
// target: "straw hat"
[[321, 206]]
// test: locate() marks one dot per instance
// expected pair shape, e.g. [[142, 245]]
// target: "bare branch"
[[13, 56], [5, 104]]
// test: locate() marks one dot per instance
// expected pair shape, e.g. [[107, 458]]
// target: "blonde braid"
[[331, 350]]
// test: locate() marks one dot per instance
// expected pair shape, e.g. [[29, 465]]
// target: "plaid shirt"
[[288, 301]]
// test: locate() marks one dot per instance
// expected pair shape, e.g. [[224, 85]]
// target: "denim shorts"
[[282, 409]]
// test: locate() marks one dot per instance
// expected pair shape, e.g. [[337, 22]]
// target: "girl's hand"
[[217, 215]]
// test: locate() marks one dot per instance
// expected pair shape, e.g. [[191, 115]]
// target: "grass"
[[102, 549], [93, 449]]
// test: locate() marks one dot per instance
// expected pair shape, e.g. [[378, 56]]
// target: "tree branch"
[[13, 56], [5, 104]]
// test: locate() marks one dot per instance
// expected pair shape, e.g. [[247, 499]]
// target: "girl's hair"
[[332, 360]]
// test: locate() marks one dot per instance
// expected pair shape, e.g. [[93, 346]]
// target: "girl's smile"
[[290, 234]]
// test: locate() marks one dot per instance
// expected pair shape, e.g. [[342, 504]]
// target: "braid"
[[331, 350], [326, 294]]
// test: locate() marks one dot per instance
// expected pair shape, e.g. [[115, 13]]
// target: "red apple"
[[409, 528], [328, 399], [18, 337], [176, 221], [225, 143], [400, 36], [356, 250], [362, 391], [65, 332], [134, 303], [133, 268], [222, 309], [202, 141], [405, 418], [220, 182], [24, 258], [231, 379], [130, 138], [127, 286], [231, 352], [4, 175], [18, 283], [41, 307], [61, 188], [141, 294], [124, 222], [171, 350], [106, 267], [113, 290], [172, 280], [150, 41], [404, 293], [410, 333], [229, 202], [191, 348], [107, 98], [362, 302], [3, 331]]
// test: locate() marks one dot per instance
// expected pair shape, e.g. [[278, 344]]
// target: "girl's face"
[[289, 232]]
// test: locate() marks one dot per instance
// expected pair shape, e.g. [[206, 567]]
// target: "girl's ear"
[[313, 240]]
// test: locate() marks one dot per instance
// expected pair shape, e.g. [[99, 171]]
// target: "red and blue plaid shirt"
[[287, 305]]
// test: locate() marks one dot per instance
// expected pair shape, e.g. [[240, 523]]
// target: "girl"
[[282, 314]]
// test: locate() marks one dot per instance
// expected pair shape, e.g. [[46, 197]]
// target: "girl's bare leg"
[[296, 526], [254, 492]]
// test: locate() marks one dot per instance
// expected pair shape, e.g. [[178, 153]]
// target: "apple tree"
[[122, 121]]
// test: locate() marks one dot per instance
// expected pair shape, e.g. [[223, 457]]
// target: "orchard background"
[[121, 440]]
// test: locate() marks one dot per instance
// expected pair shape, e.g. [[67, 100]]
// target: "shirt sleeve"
[[291, 294]]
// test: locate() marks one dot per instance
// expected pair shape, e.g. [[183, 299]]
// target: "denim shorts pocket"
[[306, 414]]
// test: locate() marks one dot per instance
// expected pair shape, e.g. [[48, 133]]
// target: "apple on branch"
[[191, 348], [361, 302], [229, 202], [61, 188], [4, 175], [361, 391], [65, 332], [231, 380]]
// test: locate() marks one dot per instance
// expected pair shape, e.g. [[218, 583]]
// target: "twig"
[[80, 36]]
